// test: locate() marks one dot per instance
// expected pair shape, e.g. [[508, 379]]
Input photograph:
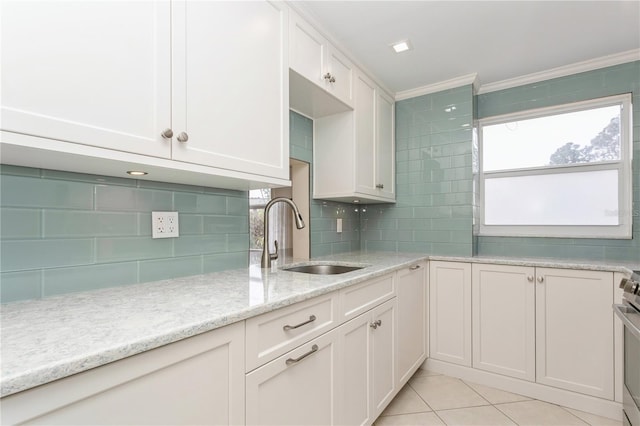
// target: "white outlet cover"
[[164, 225], [339, 226]]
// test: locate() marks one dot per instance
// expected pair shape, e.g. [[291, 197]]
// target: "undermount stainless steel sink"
[[323, 269]]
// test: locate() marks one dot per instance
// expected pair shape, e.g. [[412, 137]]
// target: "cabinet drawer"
[[298, 388], [362, 297], [275, 333]]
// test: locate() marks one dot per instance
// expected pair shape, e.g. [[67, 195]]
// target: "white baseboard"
[[589, 404]]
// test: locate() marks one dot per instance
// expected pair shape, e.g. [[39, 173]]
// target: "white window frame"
[[623, 166]]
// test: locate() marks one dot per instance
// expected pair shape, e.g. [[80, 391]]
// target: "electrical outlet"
[[339, 226], [164, 224]]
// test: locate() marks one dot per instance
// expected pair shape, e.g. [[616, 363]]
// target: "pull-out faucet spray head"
[[266, 256]]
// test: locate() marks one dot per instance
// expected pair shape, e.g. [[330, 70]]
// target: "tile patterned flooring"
[[434, 399]]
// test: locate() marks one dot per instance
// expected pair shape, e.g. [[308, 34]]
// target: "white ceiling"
[[498, 40]]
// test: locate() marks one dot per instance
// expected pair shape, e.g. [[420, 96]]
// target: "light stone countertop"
[[48, 339]]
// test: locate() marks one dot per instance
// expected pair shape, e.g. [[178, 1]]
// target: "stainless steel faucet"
[[266, 256]]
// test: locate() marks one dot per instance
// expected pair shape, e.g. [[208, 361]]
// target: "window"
[[258, 198], [562, 171]]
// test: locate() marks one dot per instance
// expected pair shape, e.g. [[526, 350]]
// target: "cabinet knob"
[[540, 279], [183, 137], [167, 134], [329, 78], [380, 186], [530, 278], [375, 324]]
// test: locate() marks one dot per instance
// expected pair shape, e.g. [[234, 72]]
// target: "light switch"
[[339, 226]]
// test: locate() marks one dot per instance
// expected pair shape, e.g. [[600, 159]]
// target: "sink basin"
[[323, 269]]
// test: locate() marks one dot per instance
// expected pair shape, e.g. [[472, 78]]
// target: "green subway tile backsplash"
[[120, 198], [20, 255], [64, 232], [68, 224], [20, 285], [20, 223], [153, 270], [91, 277], [433, 181], [34, 192]]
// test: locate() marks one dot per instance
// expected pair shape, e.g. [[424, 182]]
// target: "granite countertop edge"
[[53, 368]]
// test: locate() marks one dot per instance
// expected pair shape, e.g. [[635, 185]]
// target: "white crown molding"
[[438, 87], [578, 67]]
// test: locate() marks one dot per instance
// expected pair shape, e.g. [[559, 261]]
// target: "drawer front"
[[362, 297], [275, 333]]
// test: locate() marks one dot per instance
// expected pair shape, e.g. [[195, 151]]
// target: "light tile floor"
[[434, 399]]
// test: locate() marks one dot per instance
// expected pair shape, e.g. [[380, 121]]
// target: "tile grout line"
[[505, 414], [492, 404]]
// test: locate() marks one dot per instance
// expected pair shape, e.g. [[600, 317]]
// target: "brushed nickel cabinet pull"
[[290, 361], [311, 319]]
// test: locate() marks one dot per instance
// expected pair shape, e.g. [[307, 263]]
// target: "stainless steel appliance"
[[629, 313]]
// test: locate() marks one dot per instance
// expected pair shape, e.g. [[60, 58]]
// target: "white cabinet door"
[[385, 146], [504, 320], [574, 330], [230, 86], [341, 72], [383, 351], [298, 388], [93, 73], [355, 393], [365, 121], [450, 312], [199, 380], [411, 321], [367, 364], [308, 51]]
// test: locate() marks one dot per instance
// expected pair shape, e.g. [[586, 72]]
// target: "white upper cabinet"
[[321, 77], [95, 73], [385, 146], [230, 77], [189, 91], [354, 151], [339, 75], [308, 50]]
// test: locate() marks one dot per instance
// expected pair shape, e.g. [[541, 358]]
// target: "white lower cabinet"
[[411, 324], [450, 312], [298, 388], [367, 369], [546, 326], [574, 330], [504, 320], [199, 380]]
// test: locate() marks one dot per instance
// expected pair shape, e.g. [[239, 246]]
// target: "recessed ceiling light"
[[136, 173], [401, 46]]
